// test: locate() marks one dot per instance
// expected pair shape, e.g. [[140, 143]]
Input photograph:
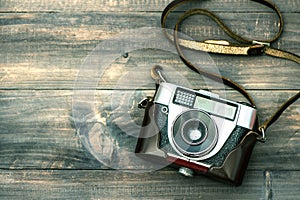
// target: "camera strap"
[[244, 47]]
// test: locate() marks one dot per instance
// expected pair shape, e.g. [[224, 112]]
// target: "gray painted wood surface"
[[45, 43]]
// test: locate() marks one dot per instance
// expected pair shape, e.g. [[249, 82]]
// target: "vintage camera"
[[197, 132]]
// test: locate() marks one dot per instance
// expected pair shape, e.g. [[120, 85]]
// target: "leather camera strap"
[[244, 47]]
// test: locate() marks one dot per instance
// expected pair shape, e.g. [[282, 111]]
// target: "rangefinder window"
[[218, 108], [208, 104]]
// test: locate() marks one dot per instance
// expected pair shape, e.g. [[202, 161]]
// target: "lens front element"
[[194, 133]]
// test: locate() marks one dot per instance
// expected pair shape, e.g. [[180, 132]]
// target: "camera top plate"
[[225, 114]]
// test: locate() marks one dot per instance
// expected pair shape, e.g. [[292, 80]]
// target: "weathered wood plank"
[[44, 51], [134, 5], [61, 72], [283, 189], [38, 131], [72, 29], [44, 43], [100, 184]]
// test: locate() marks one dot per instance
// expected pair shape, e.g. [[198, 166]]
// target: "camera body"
[[197, 132]]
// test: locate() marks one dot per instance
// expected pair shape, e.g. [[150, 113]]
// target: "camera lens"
[[194, 131]]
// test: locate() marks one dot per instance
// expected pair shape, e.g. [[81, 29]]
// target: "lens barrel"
[[194, 133]]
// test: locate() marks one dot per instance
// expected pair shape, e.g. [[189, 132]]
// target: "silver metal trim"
[[165, 93], [183, 152], [263, 137], [164, 109], [208, 93], [245, 117], [186, 171], [261, 43]]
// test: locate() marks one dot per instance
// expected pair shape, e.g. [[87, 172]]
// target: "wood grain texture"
[[107, 184], [134, 5], [53, 46], [43, 49], [38, 131], [119, 185]]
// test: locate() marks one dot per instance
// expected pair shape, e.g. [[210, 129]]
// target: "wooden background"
[[43, 45]]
